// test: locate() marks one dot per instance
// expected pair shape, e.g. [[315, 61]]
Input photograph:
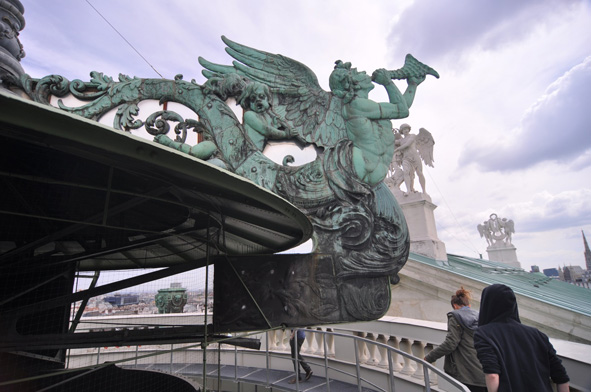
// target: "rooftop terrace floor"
[[276, 379]]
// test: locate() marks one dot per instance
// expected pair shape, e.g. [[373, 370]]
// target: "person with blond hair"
[[461, 361]]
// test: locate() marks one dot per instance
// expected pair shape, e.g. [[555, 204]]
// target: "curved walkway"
[[277, 379]]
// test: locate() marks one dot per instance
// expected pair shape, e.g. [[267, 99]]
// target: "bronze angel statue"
[[409, 152], [360, 236]]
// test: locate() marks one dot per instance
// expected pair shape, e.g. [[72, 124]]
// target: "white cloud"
[[581, 161], [452, 28], [568, 209], [555, 128]]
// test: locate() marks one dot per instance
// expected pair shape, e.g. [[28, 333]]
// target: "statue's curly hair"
[[341, 81]]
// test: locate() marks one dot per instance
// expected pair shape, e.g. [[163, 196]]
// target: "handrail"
[[412, 336], [426, 366], [328, 363]]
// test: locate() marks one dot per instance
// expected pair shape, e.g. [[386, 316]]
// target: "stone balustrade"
[[368, 354]]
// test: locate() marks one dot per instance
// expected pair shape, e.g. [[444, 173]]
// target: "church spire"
[[587, 252]]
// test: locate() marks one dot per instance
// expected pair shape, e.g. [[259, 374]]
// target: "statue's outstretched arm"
[[402, 102], [256, 123], [414, 72], [409, 94], [398, 106]]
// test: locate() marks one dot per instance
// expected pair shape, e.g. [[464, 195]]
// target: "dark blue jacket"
[[301, 335], [522, 356]]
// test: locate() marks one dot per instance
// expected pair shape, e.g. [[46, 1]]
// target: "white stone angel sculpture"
[[410, 151], [509, 228], [484, 231]]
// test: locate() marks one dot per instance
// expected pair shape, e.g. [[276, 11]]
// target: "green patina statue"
[[171, 300], [360, 236]]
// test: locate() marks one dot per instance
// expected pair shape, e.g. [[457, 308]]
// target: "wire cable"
[[121, 35], [470, 245]]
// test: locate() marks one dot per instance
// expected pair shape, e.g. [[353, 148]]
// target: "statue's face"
[[405, 130], [258, 100], [363, 80]]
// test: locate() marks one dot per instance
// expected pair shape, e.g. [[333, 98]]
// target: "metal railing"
[[383, 379], [358, 376], [376, 352]]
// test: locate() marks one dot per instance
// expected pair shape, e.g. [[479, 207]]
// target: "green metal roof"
[[529, 284]]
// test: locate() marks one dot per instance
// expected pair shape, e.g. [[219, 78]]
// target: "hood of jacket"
[[497, 304], [467, 317]]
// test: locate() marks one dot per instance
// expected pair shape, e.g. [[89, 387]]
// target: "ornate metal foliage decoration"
[[360, 236]]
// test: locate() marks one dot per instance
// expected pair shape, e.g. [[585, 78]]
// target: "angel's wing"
[[510, 226], [425, 143], [310, 110], [480, 230]]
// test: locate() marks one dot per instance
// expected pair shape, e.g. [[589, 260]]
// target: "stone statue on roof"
[[497, 231], [411, 150]]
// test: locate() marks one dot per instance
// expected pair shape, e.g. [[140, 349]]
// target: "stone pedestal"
[[418, 211], [503, 253]]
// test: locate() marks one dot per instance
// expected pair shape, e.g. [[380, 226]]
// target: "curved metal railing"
[[352, 372], [357, 376]]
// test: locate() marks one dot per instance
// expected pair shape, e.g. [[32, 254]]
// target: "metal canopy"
[[75, 191]]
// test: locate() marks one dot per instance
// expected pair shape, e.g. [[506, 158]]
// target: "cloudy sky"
[[511, 113]]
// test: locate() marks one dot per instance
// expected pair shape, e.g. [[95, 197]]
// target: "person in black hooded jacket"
[[514, 357]]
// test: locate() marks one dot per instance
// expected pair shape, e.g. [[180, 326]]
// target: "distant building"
[[551, 273], [535, 268], [573, 273], [122, 299]]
